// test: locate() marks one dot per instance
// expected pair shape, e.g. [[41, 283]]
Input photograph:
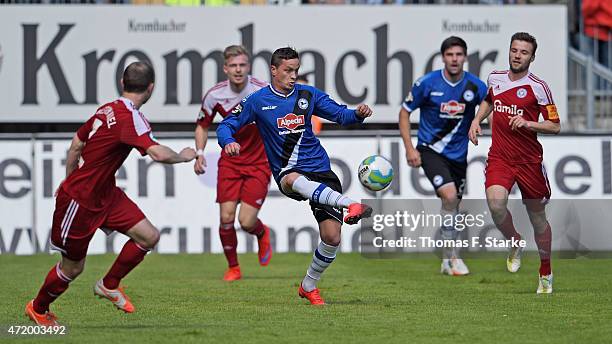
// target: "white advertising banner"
[[57, 63], [182, 205]]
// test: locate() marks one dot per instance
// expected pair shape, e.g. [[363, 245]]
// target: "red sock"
[[507, 227], [543, 240], [229, 241], [55, 284], [257, 230], [131, 255]]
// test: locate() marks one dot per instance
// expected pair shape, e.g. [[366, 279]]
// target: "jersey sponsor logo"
[[303, 103], [552, 111], [468, 95], [452, 108], [510, 110], [269, 107], [521, 93], [436, 94], [290, 121]]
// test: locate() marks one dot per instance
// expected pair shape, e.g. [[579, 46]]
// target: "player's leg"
[[229, 183], [446, 178], [321, 193], [330, 221], [324, 255], [125, 217], [229, 240], [252, 196], [499, 179], [535, 189], [72, 229]]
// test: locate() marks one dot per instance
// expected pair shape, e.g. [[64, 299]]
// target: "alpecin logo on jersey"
[[510, 110], [290, 121], [451, 108]]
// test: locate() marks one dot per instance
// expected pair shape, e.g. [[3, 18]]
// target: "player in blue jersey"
[[300, 166], [447, 99]]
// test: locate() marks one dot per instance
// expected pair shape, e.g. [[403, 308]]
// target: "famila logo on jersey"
[[510, 110], [452, 108], [290, 121]]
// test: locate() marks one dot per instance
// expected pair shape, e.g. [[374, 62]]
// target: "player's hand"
[[232, 149], [199, 167], [188, 154], [363, 111], [517, 122], [474, 132], [413, 157]]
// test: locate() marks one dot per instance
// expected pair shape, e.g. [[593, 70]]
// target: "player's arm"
[[166, 155], [484, 110], [413, 157], [230, 126], [201, 138], [74, 154], [327, 108], [544, 127]]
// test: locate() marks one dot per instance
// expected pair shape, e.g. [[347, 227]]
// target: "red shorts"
[[248, 184], [530, 177], [74, 226]]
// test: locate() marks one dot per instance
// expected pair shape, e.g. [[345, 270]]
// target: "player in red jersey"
[[88, 198], [516, 98], [241, 179]]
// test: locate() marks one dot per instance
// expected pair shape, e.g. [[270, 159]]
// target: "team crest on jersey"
[[452, 108], [237, 109], [468, 95], [521, 93], [303, 103], [290, 121]]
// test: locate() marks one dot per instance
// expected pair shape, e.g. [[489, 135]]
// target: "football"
[[375, 173]]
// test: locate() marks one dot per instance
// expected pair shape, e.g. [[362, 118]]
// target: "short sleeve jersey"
[[527, 97], [222, 100], [109, 136]]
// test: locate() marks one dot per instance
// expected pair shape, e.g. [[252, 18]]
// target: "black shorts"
[[441, 170], [321, 212]]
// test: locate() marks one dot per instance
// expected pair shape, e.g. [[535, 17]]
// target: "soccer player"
[[88, 198], [241, 179], [448, 99], [516, 98], [299, 164]]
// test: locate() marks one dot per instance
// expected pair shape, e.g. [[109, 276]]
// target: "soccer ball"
[[375, 173]]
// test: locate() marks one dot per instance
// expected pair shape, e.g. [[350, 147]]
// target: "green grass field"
[[181, 298]]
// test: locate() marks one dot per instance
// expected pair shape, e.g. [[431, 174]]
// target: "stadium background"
[[61, 61], [58, 59]]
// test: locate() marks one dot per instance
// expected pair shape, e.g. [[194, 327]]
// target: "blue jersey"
[[284, 123], [447, 111]]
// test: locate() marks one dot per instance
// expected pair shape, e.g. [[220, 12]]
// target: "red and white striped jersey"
[[109, 136], [528, 97], [221, 99]]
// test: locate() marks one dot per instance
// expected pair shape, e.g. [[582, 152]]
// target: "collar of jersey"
[[450, 83], [280, 94], [128, 103]]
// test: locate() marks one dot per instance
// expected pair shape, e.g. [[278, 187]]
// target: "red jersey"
[[223, 100], [109, 137], [528, 97]]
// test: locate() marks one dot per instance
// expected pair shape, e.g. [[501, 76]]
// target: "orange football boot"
[[232, 274], [313, 296], [48, 319], [265, 249], [356, 212]]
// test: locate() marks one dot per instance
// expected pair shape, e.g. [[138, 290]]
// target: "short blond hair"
[[235, 50]]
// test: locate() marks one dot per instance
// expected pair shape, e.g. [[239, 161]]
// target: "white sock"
[[320, 193], [323, 256], [449, 232]]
